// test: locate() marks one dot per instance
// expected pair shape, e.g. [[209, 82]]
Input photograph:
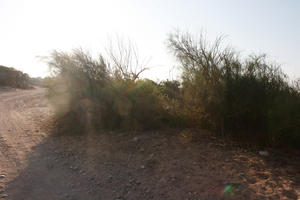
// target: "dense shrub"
[[13, 78], [95, 93], [174, 103], [242, 97]]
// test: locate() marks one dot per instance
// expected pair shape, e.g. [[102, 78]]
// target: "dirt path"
[[21, 113], [18, 133], [168, 164]]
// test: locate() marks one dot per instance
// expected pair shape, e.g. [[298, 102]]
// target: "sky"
[[33, 28]]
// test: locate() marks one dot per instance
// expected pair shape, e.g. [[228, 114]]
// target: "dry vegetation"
[[245, 98], [13, 78], [205, 136]]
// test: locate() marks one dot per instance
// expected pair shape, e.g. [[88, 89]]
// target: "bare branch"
[[125, 59]]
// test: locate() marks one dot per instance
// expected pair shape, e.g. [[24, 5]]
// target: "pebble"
[[135, 139], [91, 178], [263, 153], [2, 176]]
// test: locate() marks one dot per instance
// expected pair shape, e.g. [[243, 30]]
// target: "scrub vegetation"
[[219, 90], [11, 77]]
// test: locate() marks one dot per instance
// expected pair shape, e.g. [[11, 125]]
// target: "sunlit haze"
[[34, 28]]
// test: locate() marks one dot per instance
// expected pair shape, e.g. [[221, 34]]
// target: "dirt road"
[[169, 164], [21, 114]]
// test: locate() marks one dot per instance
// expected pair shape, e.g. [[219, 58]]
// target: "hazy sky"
[[30, 28]]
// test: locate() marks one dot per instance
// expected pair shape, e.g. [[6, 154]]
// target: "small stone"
[[4, 196], [2, 176], [135, 139], [142, 166], [263, 153]]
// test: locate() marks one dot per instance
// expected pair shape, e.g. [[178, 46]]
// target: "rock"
[[142, 166], [135, 139], [131, 180], [4, 196], [2, 176], [263, 153]]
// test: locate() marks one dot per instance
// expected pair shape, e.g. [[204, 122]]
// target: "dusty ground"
[[169, 164]]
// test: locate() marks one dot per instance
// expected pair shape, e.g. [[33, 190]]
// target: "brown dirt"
[[169, 164]]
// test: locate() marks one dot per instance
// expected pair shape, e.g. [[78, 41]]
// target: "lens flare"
[[227, 189]]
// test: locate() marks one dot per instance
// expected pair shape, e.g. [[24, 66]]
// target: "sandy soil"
[[169, 164]]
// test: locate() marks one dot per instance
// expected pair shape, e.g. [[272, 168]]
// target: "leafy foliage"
[[101, 95], [242, 97]]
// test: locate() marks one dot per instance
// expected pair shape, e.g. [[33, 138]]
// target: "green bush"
[[242, 97], [245, 98], [98, 95]]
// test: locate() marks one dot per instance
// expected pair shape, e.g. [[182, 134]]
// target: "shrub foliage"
[[219, 90], [242, 97], [13, 78], [101, 94]]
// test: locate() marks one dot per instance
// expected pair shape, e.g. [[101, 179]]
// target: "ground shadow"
[[169, 164]]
